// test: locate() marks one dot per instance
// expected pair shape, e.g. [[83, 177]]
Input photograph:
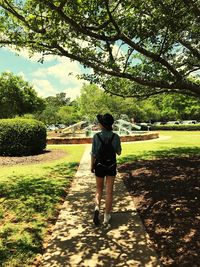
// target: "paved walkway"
[[77, 242]]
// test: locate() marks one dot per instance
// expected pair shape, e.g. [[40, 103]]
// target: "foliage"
[[59, 109], [57, 101], [177, 107], [90, 102], [164, 107], [19, 137], [148, 47], [17, 96], [93, 101], [49, 115], [68, 114]]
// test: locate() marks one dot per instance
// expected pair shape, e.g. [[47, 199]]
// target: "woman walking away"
[[105, 146]]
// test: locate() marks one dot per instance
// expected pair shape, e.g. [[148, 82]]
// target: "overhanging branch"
[[80, 28], [11, 9], [193, 50]]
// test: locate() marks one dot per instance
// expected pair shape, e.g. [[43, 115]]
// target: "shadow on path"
[[77, 242]]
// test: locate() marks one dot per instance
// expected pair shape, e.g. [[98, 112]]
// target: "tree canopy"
[[150, 46], [17, 97], [58, 101]]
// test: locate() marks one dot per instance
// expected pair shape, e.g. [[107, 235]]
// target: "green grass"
[[29, 200], [179, 144]]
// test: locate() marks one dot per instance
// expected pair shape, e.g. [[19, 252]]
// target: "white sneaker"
[[107, 218]]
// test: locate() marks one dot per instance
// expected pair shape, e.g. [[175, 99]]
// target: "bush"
[[22, 137], [176, 127]]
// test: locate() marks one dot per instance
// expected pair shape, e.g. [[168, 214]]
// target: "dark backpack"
[[106, 154]]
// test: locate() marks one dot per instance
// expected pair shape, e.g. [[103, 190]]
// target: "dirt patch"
[[166, 193], [47, 155]]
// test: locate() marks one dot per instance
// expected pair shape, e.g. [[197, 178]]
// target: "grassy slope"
[[29, 199]]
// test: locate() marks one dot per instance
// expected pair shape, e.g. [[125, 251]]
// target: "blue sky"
[[49, 78]]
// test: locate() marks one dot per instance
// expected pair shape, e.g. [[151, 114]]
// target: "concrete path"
[[77, 242]]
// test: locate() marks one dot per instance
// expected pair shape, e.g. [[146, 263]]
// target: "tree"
[[93, 101], [90, 102], [149, 46], [49, 115], [58, 101], [177, 108], [68, 115], [17, 97]]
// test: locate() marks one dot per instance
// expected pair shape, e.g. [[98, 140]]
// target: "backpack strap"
[[100, 138], [112, 137], [108, 140]]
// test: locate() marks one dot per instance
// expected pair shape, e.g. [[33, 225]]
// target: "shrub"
[[22, 137], [177, 127]]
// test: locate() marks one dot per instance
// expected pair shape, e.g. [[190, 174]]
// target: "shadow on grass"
[[164, 153], [28, 204], [167, 194]]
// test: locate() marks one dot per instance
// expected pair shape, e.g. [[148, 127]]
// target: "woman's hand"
[[92, 168]]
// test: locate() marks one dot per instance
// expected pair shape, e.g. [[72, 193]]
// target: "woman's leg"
[[99, 190], [109, 193], [98, 196]]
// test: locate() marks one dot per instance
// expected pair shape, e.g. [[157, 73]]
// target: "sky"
[[55, 75]]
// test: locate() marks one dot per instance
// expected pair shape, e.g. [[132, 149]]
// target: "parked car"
[[189, 122], [157, 123], [52, 127], [61, 126], [173, 122]]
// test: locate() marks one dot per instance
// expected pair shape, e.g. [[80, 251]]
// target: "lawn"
[[176, 143], [30, 198], [163, 178]]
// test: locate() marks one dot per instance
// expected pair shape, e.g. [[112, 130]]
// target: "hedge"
[[176, 127], [22, 137]]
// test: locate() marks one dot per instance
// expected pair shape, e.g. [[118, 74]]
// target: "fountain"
[[72, 129], [125, 127], [78, 133]]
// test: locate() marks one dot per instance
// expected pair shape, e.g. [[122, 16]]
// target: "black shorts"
[[102, 170]]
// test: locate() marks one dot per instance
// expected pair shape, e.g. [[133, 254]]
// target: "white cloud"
[[65, 73], [44, 88], [59, 71], [26, 54], [49, 81], [72, 92], [22, 74]]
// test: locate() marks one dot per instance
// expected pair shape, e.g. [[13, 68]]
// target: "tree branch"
[[143, 96], [182, 85], [80, 28], [164, 41], [151, 55], [11, 9], [194, 7], [195, 69], [193, 50], [62, 4], [111, 17], [127, 58]]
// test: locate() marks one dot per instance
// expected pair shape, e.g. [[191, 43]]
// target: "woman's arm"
[[118, 145], [92, 163]]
